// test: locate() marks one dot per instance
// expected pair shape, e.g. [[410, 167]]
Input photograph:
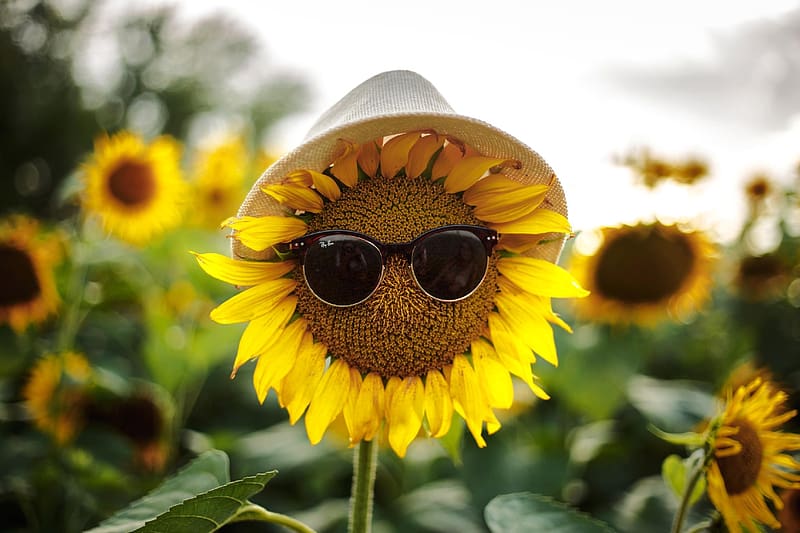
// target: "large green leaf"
[[671, 405], [523, 512], [207, 512], [208, 471]]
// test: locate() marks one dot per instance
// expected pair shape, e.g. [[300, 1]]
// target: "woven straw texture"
[[391, 103]]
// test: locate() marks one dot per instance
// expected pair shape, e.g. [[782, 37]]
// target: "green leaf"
[[209, 470], [689, 439], [451, 442], [523, 511], [209, 511], [676, 471]]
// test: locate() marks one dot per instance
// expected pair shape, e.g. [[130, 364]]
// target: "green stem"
[[71, 316], [253, 512], [697, 471], [365, 461]]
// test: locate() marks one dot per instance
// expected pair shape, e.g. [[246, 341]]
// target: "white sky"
[[540, 71]]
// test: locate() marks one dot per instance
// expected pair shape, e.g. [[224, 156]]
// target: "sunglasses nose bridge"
[[402, 248]]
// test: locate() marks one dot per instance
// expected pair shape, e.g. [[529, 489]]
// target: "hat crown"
[[397, 92]]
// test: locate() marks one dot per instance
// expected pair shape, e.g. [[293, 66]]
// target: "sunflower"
[[749, 459], [218, 181], [27, 285], [135, 188], [400, 360], [640, 274], [55, 394], [762, 277]]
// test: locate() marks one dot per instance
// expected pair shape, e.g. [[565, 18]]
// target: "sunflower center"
[[399, 330], [18, 280], [132, 183], [643, 267], [740, 471]]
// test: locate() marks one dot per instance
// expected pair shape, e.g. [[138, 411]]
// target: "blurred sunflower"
[[651, 170], [749, 459], [399, 360], [142, 415], [758, 189], [218, 181], [56, 392], [27, 285], [135, 188], [762, 277], [640, 274]]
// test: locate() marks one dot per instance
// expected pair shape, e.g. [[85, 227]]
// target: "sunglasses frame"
[[487, 236]]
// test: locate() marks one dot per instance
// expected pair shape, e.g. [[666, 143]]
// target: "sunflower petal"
[[533, 303], [241, 272], [451, 154], [297, 197], [467, 397], [494, 379], [369, 158], [405, 414], [263, 331], [299, 384], [328, 400], [511, 351], [278, 358], [345, 163], [420, 155], [368, 409], [438, 405], [532, 327], [469, 170], [394, 155], [498, 198], [540, 277], [349, 409], [253, 302], [259, 233], [325, 185], [536, 222]]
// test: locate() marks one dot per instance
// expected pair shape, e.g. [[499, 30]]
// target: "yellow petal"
[[394, 155], [438, 405], [538, 221], [510, 349], [297, 197], [253, 302], [519, 243], [421, 153], [241, 272], [349, 409], [540, 277], [466, 394], [494, 379], [537, 304], [259, 233], [263, 331], [391, 386], [328, 400], [325, 185], [345, 163], [368, 409], [450, 155], [278, 358], [532, 327], [498, 198], [469, 170], [298, 386], [369, 158], [405, 414]]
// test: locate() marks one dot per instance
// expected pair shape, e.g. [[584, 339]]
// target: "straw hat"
[[391, 103]]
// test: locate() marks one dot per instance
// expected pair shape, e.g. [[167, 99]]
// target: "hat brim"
[[318, 152]]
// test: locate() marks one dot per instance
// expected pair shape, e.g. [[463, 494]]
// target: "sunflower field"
[[171, 361]]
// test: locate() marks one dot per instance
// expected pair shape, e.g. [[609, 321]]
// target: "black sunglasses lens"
[[342, 270], [449, 265]]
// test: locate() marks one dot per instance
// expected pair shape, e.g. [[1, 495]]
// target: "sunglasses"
[[344, 268]]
